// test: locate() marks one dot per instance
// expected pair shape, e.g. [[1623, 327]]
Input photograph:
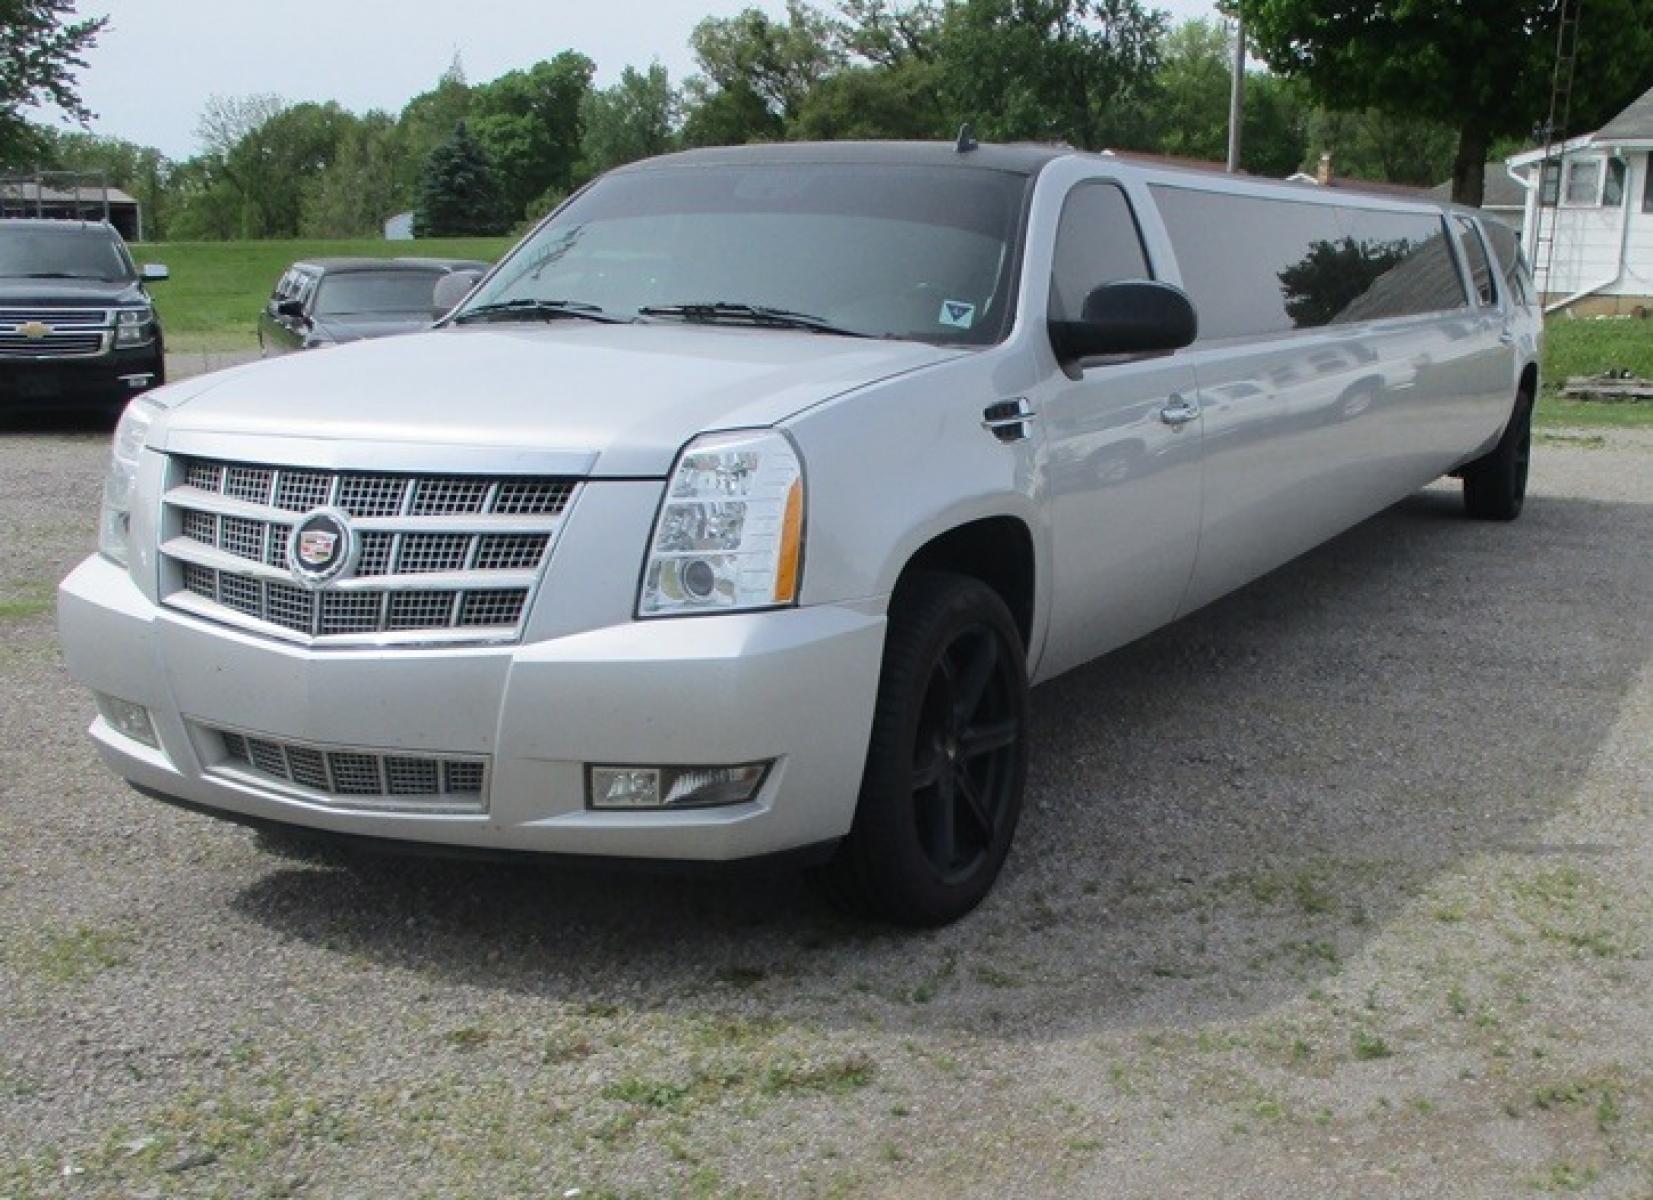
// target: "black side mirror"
[[1137, 316], [291, 308]]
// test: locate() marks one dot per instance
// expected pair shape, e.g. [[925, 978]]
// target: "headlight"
[[730, 531], [131, 433], [134, 326]]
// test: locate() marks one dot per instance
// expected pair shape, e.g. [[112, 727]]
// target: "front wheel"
[[942, 789], [1495, 485]]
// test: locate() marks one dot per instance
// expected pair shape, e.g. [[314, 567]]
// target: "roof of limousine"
[[1026, 158], [1021, 159]]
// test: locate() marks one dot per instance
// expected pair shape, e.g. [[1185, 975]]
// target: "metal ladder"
[[1559, 121]]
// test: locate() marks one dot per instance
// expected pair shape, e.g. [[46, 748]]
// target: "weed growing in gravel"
[[26, 600], [72, 955], [1369, 1045]]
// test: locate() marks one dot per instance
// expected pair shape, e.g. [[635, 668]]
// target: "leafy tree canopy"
[[42, 48], [1482, 67]]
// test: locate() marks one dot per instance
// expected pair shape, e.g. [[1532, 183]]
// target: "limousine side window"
[[1507, 247], [1097, 242], [1475, 254], [1257, 266]]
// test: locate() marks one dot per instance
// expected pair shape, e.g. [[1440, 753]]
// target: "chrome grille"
[[70, 332], [357, 778], [439, 557]]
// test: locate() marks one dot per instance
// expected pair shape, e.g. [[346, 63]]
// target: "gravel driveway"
[[1339, 888]]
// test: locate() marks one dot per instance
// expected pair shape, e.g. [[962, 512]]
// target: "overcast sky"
[[160, 59]]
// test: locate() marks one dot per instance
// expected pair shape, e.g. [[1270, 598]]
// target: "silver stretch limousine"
[[734, 512]]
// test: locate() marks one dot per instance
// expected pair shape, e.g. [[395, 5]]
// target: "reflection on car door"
[[1122, 441]]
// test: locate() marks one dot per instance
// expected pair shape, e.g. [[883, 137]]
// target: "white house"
[[399, 228], [1588, 228]]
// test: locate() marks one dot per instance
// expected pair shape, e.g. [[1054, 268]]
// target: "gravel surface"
[[1339, 888]]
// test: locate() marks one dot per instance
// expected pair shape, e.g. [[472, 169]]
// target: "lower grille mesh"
[[449, 783]]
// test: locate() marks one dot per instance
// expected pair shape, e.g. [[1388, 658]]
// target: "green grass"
[[1589, 347], [217, 288]]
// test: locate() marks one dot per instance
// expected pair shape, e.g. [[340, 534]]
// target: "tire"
[[947, 761], [1495, 485]]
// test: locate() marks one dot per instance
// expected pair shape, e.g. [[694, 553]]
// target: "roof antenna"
[[967, 139]]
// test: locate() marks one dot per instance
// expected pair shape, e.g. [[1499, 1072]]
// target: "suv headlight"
[[730, 531], [114, 523], [134, 326]]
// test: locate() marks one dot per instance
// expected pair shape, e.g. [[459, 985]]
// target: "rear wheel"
[[942, 789], [1495, 485]]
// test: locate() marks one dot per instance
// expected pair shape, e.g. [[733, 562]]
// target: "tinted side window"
[[1506, 247], [1404, 265], [1096, 243], [1475, 254], [1258, 266]]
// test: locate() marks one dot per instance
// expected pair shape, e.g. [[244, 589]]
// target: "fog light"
[[127, 719], [673, 787]]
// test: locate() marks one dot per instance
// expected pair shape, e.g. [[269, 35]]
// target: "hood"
[[627, 396], [68, 293], [368, 325]]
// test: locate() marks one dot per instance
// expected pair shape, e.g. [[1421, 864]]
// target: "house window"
[[1647, 186], [1612, 191], [1549, 186], [1583, 183]]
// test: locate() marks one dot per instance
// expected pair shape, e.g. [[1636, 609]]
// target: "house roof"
[[1498, 190], [31, 192], [1634, 124]]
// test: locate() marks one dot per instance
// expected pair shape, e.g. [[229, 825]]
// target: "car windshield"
[[359, 293], [922, 253], [70, 253]]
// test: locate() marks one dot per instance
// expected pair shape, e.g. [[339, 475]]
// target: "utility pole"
[[1236, 95]]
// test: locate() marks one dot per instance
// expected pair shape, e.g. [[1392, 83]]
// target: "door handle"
[[1507, 338], [1178, 412]]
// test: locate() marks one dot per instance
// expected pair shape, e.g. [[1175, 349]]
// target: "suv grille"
[[355, 778], [67, 332], [439, 557]]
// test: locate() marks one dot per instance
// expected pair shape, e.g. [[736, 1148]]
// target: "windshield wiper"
[[543, 310], [714, 312], [60, 275]]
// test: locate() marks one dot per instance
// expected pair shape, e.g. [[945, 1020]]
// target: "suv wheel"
[[1495, 485], [943, 783]]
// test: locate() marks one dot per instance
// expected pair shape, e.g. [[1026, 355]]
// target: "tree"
[[428, 120], [528, 123], [459, 195], [755, 56], [1482, 67], [727, 116], [1372, 144], [41, 50], [636, 118], [360, 187], [267, 153], [1072, 70]]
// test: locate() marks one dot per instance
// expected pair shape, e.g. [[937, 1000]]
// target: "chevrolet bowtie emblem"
[[34, 330]]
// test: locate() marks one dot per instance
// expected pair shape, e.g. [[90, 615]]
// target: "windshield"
[[360, 293], [71, 253], [924, 253]]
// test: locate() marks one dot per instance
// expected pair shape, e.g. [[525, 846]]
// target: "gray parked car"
[[327, 301], [735, 511]]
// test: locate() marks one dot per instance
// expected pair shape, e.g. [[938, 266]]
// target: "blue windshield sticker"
[[957, 314]]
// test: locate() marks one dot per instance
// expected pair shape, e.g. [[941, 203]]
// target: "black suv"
[[77, 328]]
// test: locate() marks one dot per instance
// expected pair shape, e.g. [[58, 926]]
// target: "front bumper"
[[795, 686], [106, 380]]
